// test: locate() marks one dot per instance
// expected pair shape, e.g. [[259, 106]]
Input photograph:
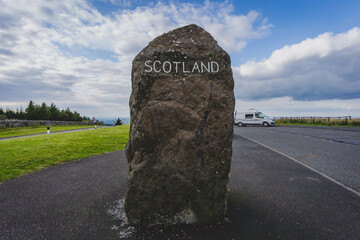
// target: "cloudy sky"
[[289, 58]]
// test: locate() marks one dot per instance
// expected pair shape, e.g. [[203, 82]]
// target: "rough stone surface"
[[180, 146]]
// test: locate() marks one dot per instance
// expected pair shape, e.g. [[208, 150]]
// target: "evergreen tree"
[[17, 114], [44, 112], [55, 113], [21, 114], [37, 114], [2, 114], [10, 114], [118, 122], [76, 117], [69, 114], [30, 111], [64, 116]]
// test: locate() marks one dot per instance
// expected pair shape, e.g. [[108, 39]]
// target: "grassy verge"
[[25, 155], [319, 122], [312, 124], [31, 130]]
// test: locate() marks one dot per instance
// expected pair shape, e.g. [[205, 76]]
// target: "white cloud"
[[130, 30], [49, 48], [122, 3], [325, 67]]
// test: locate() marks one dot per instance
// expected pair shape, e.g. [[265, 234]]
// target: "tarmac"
[[271, 197]]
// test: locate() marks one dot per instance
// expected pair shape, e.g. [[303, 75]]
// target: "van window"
[[257, 115], [249, 115]]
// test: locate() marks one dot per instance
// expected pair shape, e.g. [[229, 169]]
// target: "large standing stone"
[[180, 145]]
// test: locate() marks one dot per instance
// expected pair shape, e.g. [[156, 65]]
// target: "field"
[[24, 131], [25, 155], [319, 122]]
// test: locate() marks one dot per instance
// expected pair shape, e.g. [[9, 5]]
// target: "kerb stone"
[[180, 146]]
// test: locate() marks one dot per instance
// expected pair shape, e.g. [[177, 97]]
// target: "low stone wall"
[[24, 123]]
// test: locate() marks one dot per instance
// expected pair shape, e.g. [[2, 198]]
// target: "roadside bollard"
[[95, 126], [48, 130]]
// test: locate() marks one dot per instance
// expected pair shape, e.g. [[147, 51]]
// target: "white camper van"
[[252, 117]]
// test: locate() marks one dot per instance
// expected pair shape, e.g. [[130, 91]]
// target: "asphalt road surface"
[[334, 152], [271, 197]]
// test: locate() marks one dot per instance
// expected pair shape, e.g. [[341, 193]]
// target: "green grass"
[[31, 130], [25, 155], [314, 124], [319, 122]]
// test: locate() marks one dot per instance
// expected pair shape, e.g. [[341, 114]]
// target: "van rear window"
[[249, 115]]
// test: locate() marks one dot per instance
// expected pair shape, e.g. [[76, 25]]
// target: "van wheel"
[[240, 124], [265, 124]]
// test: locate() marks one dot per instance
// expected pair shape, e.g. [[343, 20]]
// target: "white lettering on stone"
[[181, 67], [203, 66], [196, 66], [185, 71], [149, 66], [169, 69], [212, 67], [176, 66], [157, 61]]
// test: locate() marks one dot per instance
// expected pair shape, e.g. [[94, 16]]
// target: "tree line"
[[42, 112]]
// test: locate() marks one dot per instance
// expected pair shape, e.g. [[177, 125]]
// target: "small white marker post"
[[48, 130], [94, 121]]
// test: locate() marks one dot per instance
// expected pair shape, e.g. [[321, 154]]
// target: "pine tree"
[[55, 113], [10, 114], [2, 114], [44, 112], [118, 122], [69, 114], [21, 115], [76, 116], [30, 111]]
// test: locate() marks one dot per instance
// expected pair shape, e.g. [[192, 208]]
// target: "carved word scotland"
[[181, 67]]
